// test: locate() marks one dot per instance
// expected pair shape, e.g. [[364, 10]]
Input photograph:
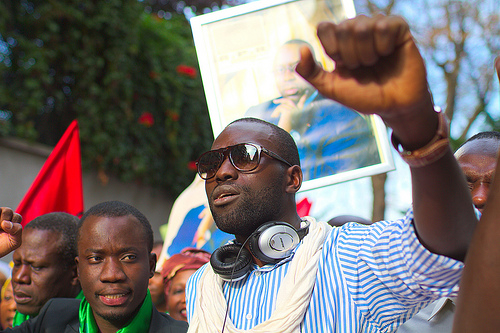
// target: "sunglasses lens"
[[245, 157], [209, 163]]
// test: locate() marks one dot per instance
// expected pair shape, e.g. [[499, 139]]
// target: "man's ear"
[[152, 264], [294, 179], [77, 270], [74, 277]]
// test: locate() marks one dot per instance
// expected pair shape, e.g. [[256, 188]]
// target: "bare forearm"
[[443, 212]]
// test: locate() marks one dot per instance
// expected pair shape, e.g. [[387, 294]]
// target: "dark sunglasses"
[[244, 157]]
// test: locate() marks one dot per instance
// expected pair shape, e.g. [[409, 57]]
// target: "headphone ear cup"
[[226, 262], [273, 241], [253, 245]]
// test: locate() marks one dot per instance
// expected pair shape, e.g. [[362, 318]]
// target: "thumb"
[[11, 228], [7, 226], [307, 67], [302, 101], [314, 73]]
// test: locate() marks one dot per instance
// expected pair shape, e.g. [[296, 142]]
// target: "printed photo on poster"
[[247, 56]]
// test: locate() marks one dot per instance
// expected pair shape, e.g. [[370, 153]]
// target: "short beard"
[[118, 320], [254, 209]]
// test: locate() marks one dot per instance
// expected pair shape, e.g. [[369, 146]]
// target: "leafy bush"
[[130, 78]]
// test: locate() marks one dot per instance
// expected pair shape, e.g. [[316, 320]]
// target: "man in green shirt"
[[114, 263]]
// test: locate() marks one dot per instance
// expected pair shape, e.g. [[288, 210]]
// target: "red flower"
[[192, 166], [186, 70], [153, 75], [173, 115], [146, 119]]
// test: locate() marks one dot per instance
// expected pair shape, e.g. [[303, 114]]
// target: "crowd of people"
[[283, 272]]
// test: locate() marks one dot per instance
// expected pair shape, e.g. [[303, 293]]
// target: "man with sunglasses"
[[354, 278]]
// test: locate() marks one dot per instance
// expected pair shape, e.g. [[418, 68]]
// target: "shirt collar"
[[440, 304]]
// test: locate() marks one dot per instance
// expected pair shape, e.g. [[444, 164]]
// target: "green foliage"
[[115, 69]]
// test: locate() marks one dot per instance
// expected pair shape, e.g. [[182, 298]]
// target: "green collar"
[[19, 318], [139, 324]]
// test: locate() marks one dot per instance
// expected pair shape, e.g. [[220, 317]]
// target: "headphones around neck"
[[270, 243]]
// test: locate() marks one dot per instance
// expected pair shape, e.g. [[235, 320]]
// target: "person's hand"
[[10, 231], [378, 70], [286, 109]]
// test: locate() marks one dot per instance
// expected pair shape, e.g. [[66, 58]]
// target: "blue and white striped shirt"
[[369, 279]]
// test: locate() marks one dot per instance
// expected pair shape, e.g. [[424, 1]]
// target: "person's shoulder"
[[62, 305], [57, 315], [353, 232], [163, 323], [195, 277]]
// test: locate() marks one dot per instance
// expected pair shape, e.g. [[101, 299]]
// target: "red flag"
[[58, 185]]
